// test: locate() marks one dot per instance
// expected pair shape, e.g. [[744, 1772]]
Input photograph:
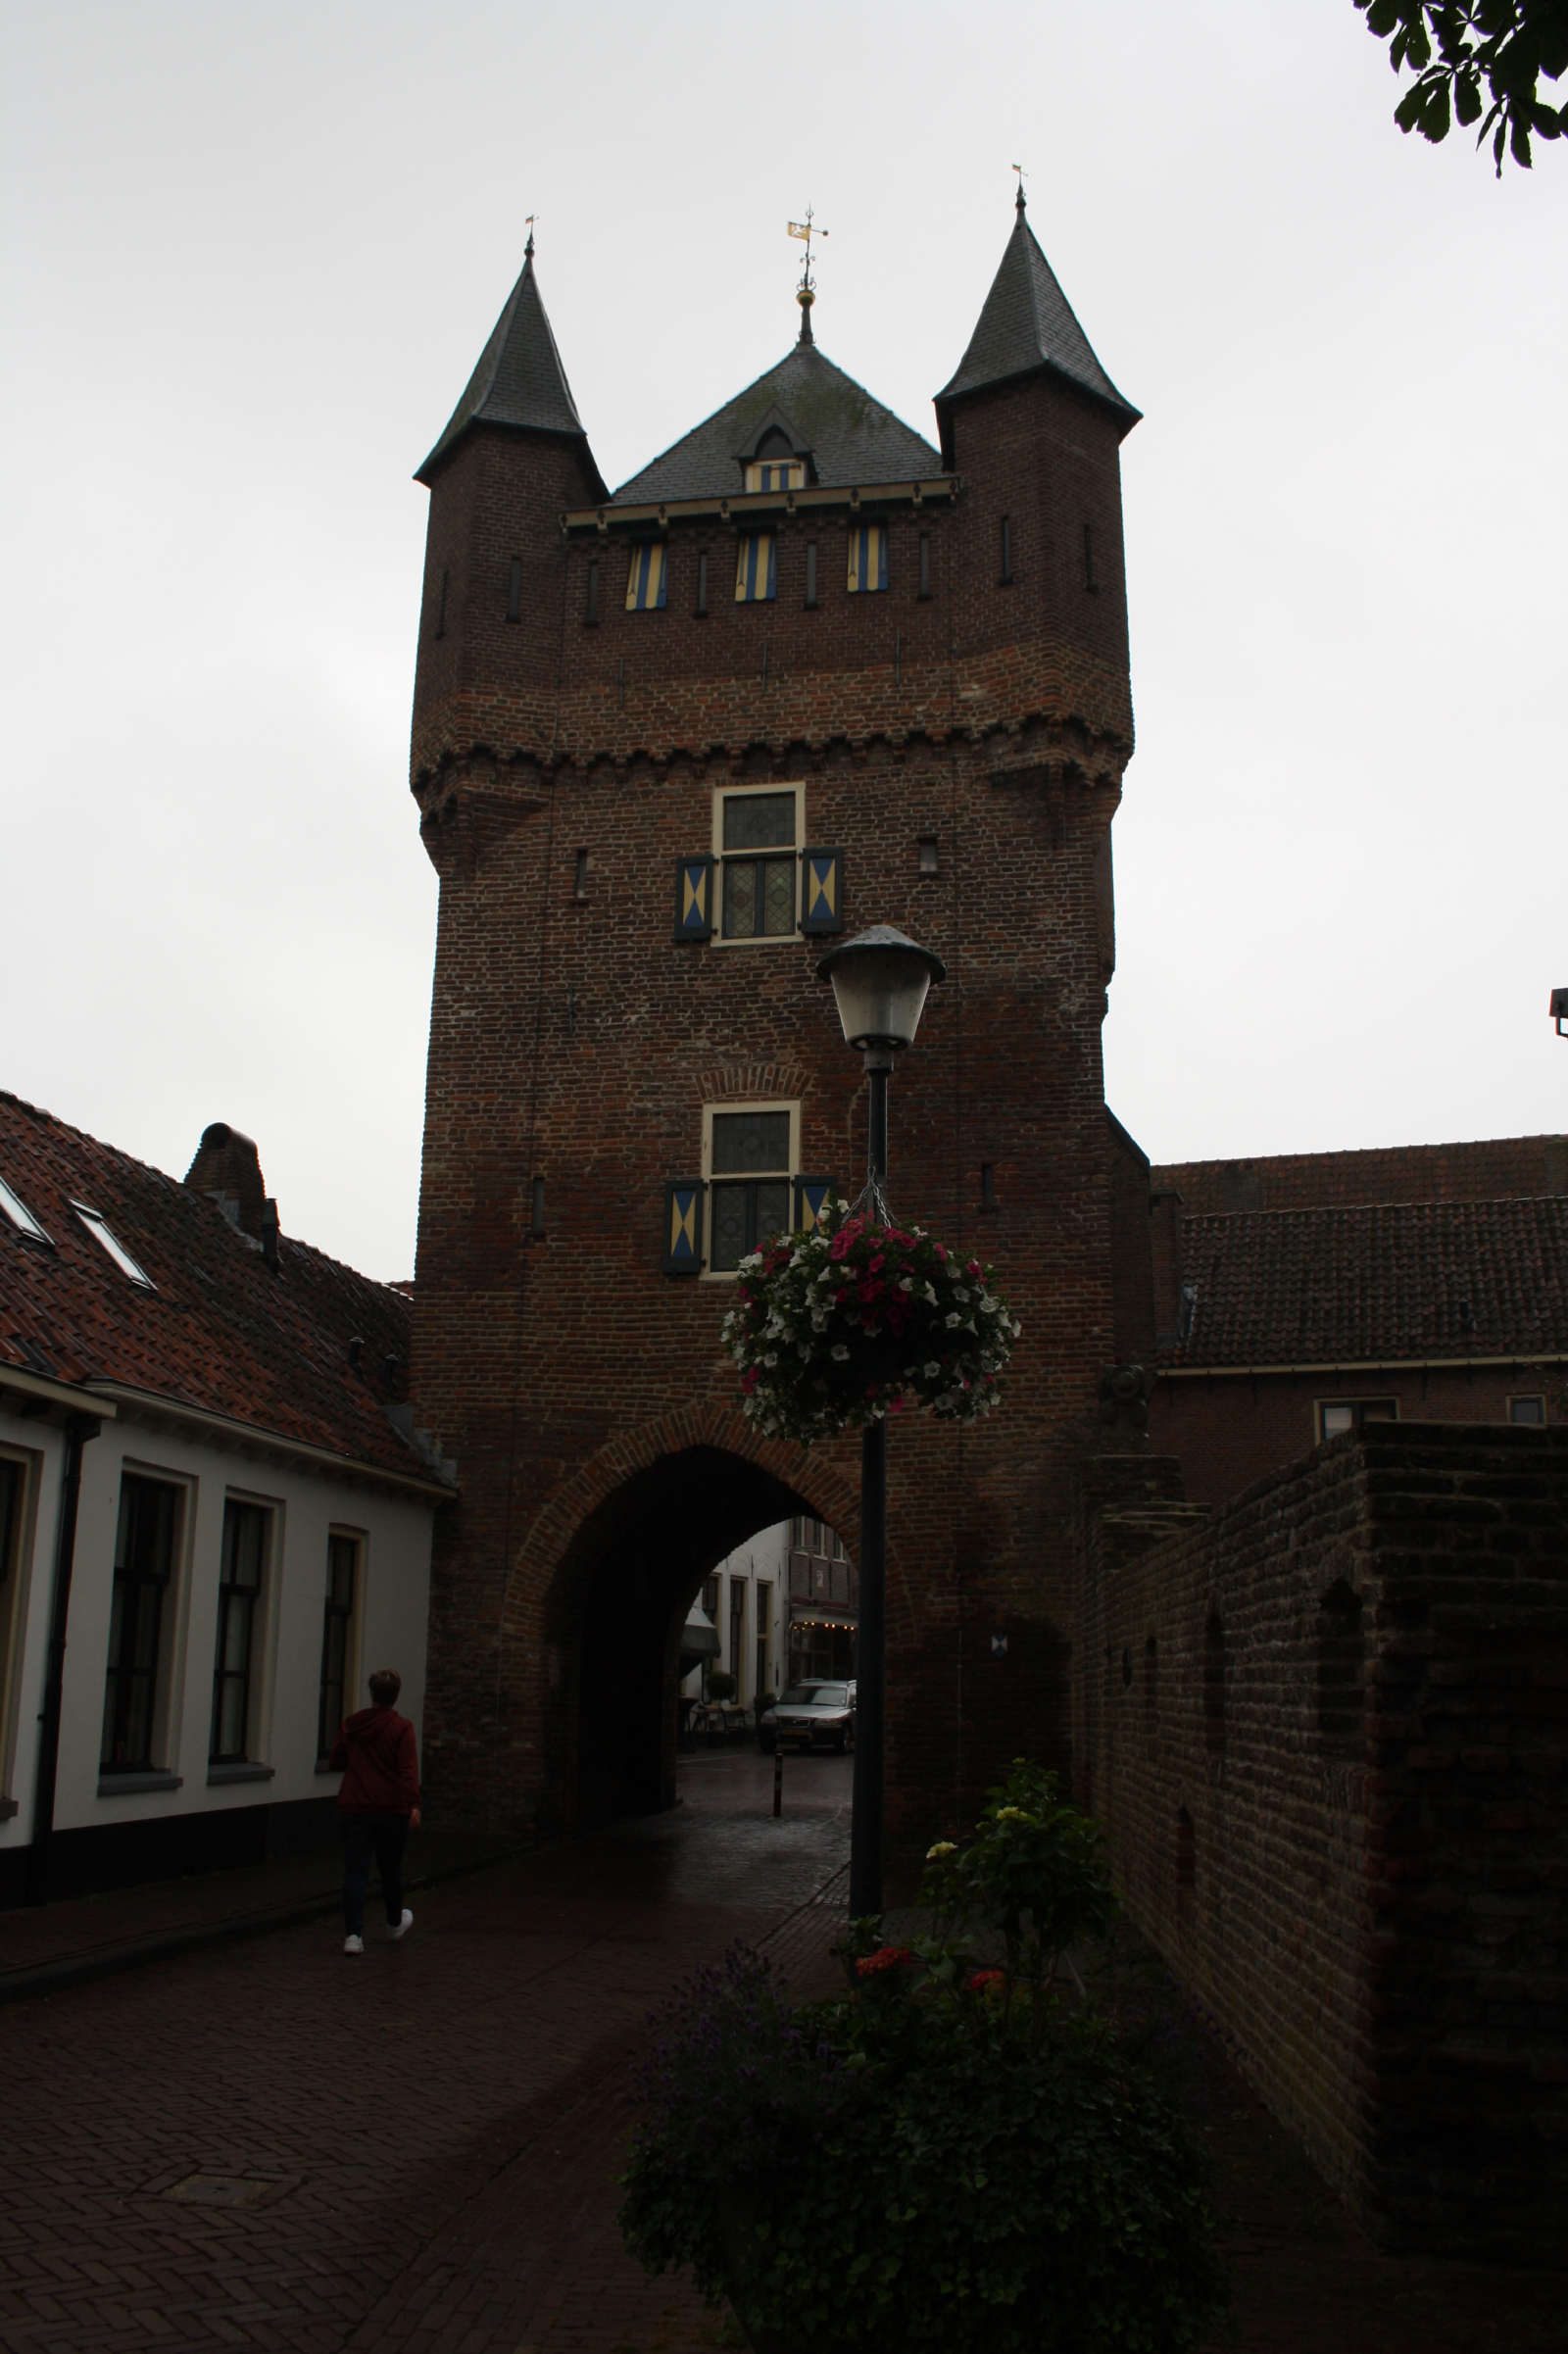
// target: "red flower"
[[984, 1980], [886, 1957], [749, 1379]]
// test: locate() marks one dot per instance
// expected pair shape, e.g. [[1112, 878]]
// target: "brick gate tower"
[[806, 672]]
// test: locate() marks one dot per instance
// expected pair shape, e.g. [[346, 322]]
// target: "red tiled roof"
[[1377, 1284], [1484, 1171], [220, 1333]]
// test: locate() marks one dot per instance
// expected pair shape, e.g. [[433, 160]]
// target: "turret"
[[514, 455], [1033, 424]]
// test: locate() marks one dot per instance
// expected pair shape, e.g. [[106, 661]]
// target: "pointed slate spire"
[[1027, 323], [519, 379]]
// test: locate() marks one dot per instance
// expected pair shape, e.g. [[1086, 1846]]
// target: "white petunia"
[[931, 1370], [930, 1293], [838, 1352], [954, 1318], [958, 1292], [770, 1359]]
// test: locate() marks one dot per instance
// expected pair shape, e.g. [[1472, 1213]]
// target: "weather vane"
[[806, 292], [528, 248], [1022, 176]]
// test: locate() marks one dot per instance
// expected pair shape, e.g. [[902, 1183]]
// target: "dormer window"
[[776, 473], [648, 577], [93, 1220], [21, 1216]]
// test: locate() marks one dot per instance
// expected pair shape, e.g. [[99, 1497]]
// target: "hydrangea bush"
[[857, 1320]]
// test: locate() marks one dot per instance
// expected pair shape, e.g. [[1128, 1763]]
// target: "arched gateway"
[[806, 672]]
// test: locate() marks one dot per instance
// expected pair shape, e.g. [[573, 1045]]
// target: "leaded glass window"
[[145, 1562], [239, 1590], [750, 1183], [759, 889]]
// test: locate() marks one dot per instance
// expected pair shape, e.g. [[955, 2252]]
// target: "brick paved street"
[[420, 2143]]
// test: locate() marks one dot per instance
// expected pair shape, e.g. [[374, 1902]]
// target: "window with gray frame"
[[144, 1563], [246, 1530], [760, 862], [342, 1564], [750, 1183]]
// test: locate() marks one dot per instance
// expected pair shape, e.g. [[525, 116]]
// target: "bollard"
[[778, 1777]]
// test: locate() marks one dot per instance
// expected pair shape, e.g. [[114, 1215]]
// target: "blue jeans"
[[385, 1837]]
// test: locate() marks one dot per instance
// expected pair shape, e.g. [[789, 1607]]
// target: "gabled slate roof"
[[220, 1332], [1027, 323], [853, 439], [519, 379], [1378, 1284]]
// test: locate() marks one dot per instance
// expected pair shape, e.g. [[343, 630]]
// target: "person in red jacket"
[[377, 1806]]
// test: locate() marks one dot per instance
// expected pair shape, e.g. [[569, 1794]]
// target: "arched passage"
[[616, 1607]]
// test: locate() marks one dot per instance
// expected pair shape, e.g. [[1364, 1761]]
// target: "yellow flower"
[[1012, 1814], [941, 1847]]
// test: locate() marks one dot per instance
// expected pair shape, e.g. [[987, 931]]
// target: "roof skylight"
[[93, 1220], [21, 1216]]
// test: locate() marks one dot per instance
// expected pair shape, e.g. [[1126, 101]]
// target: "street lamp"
[[1558, 1010], [880, 981]]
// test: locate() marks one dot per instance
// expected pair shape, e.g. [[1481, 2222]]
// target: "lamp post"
[[880, 981]]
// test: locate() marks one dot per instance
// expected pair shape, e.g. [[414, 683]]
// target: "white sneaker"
[[353, 1945], [405, 1923]]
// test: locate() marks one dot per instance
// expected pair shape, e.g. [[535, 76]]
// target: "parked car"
[[810, 1716]]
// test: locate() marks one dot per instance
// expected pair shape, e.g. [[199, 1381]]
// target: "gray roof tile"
[[853, 439], [519, 379], [1027, 323]]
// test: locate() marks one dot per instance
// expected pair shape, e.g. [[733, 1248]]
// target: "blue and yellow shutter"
[[812, 1197], [754, 569], [868, 557], [821, 890], [683, 1226], [694, 898], [648, 576]]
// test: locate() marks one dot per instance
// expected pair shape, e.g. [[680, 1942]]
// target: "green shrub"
[[948, 2157], [722, 1684]]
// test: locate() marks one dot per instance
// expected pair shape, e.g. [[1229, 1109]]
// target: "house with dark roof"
[[216, 1512], [1301, 1295]]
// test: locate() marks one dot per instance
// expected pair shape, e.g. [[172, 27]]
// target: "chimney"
[[228, 1168], [1165, 1236], [268, 1231]]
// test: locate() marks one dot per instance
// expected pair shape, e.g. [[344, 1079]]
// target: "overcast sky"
[[250, 255]]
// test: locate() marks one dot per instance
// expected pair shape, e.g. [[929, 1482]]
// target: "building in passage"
[[783, 1606], [215, 1513]]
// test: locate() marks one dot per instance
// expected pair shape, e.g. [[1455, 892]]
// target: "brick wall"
[[1327, 1731], [1230, 1430], [603, 1463]]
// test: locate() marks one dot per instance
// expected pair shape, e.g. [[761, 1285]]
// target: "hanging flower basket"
[[860, 1319]]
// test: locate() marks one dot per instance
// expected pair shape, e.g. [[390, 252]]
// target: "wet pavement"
[[273, 2144]]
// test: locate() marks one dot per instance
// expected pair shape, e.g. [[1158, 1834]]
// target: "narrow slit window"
[[755, 568], [514, 590], [868, 557], [579, 888], [647, 577], [591, 607], [94, 1222], [928, 853], [811, 573], [1090, 582], [701, 582], [925, 563]]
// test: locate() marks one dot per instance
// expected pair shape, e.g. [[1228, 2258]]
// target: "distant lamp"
[[880, 982], [1559, 1009]]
